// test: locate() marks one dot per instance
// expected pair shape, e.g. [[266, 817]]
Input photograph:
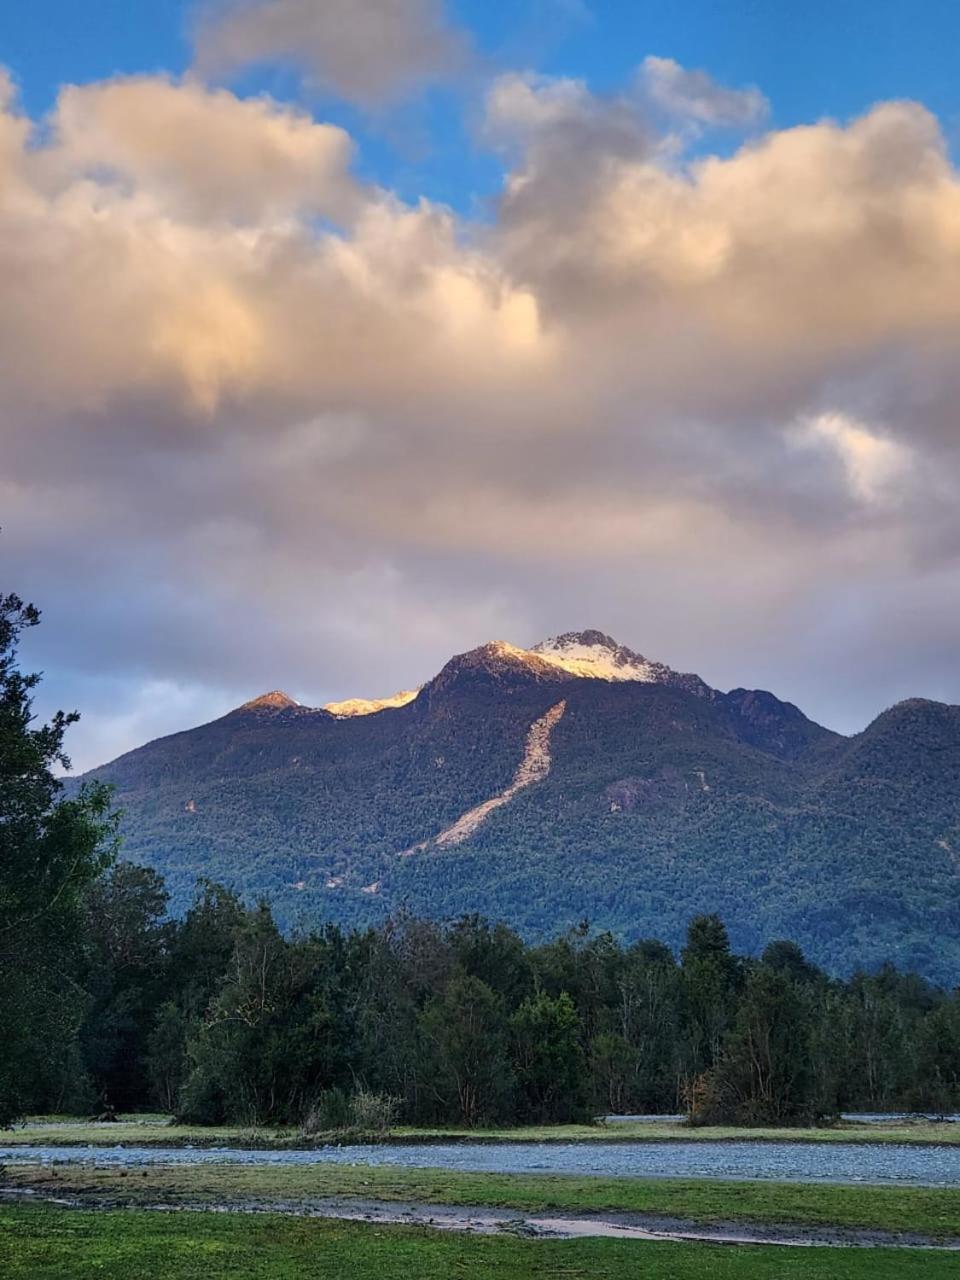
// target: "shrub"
[[364, 1111], [374, 1112]]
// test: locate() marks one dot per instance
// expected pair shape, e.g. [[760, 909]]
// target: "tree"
[[166, 1060], [237, 1065], [937, 1072], [275, 1036], [465, 1028], [548, 1059], [612, 1069], [51, 848], [647, 1020], [494, 954], [125, 974], [710, 976], [764, 1074], [202, 946], [787, 958]]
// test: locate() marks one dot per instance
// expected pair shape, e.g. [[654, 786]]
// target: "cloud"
[[205, 155], [696, 97], [554, 118], [873, 465], [264, 425], [520, 106], [369, 52]]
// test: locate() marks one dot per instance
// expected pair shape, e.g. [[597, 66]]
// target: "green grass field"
[[930, 1211], [55, 1244], [156, 1130]]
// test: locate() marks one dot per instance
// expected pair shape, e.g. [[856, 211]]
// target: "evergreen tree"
[[548, 1059], [710, 976], [466, 1031], [51, 848], [125, 973]]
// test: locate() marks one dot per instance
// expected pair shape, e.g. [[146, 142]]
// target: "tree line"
[[109, 1004], [220, 1017]]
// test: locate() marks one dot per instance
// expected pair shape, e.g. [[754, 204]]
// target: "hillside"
[[607, 787]]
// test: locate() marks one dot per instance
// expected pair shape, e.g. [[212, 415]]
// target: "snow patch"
[[368, 706], [595, 656]]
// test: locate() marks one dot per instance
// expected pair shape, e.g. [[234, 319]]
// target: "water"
[[638, 1119], [890, 1164], [894, 1117], [857, 1117]]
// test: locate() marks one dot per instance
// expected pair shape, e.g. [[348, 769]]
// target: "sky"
[[340, 336]]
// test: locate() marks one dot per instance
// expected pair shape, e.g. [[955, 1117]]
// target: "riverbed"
[[838, 1162]]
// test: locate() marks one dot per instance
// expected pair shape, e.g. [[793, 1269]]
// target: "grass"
[[154, 1130], [53, 1244], [925, 1211], [920, 1132]]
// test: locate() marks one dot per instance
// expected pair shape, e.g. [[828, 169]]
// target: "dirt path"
[[534, 767], [487, 1221]]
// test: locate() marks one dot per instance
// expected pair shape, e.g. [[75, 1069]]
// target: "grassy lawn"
[[54, 1244], [156, 1130], [935, 1212]]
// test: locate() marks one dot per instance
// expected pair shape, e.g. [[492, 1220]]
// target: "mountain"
[[573, 780]]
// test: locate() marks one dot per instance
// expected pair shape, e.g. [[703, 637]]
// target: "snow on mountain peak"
[[597, 656], [367, 706]]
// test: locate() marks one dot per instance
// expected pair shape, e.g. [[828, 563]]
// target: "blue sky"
[[291, 405], [811, 59]]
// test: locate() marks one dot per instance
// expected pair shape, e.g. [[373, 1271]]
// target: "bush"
[[336, 1111], [702, 1101], [330, 1111], [374, 1112]]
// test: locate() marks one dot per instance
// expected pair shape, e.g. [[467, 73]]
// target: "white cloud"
[[204, 155], [874, 465]]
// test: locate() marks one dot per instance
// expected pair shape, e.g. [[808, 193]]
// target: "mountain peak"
[[590, 639], [275, 700], [585, 655], [498, 661], [597, 656]]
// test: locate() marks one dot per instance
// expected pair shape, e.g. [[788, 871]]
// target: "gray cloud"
[[696, 97], [369, 53]]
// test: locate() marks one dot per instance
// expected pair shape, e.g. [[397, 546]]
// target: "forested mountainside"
[[575, 781]]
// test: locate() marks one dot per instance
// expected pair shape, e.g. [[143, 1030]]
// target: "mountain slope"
[[649, 797]]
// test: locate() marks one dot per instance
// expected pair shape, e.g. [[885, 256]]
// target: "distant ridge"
[[649, 798]]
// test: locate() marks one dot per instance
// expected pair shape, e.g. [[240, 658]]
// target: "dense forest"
[[107, 1002], [220, 1017]]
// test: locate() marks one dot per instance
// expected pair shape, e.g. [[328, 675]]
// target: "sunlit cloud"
[[285, 428], [874, 466]]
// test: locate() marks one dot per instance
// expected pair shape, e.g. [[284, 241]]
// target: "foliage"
[[364, 1112], [465, 1030], [51, 848], [465, 1025]]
